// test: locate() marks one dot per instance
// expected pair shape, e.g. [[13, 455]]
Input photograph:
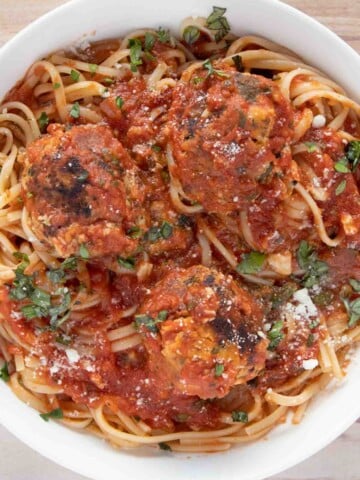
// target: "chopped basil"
[[212, 71], [57, 414], [308, 261], [353, 154], [311, 146], [75, 110], [134, 232], [119, 102], [149, 41], [84, 252], [197, 80], [74, 75], [163, 35], [4, 373], [164, 446], [252, 263], [310, 340], [23, 257], [166, 230], [191, 34], [237, 59], [182, 417], [128, 262], [342, 166], [185, 221], [43, 121], [149, 322], [108, 81], [355, 284], [341, 187], [156, 148], [63, 340], [314, 324], [56, 86], [218, 23], [275, 335], [93, 68], [219, 369], [135, 53], [239, 416], [353, 309], [56, 276], [156, 233], [83, 176]]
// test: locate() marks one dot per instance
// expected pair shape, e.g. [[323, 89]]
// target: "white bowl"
[[334, 410]]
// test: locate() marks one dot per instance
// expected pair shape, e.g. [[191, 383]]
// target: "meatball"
[[202, 332], [229, 133], [81, 191]]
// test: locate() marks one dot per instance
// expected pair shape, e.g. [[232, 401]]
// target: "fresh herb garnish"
[[63, 340], [237, 59], [4, 373], [56, 86], [135, 54], [197, 80], [355, 284], [119, 102], [219, 369], [213, 71], [239, 416], [164, 446], [134, 232], [311, 146], [84, 252], [149, 41], [57, 414], [75, 110], [156, 148], [82, 176], [342, 166], [43, 121], [166, 230], [353, 154], [308, 261], [353, 309], [340, 188], [163, 35], [149, 322], [128, 262], [275, 335], [156, 233], [252, 263], [74, 75], [191, 34], [108, 81], [218, 23], [93, 68], [58, 275], [310, 340]]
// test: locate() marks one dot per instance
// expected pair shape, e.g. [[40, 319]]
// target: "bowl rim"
[[71, 462]]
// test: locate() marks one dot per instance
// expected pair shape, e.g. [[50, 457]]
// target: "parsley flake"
[[308, 261], [56, 86], [353, 309], [212, 71], [75, 110], [219, 369], [119, 102], [43, 121], [252, 263], [128, 262], [4, 373], [84, 252], [149, 41], [218, 23], [239, 416], [93, 68], [191, 34], [340, 188], [275, 335], [57, 414], [74, 75], [355, 284], [135, 53]]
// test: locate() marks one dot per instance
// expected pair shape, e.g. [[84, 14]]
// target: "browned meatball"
[[81, 190], [201, 331], [228, 133]]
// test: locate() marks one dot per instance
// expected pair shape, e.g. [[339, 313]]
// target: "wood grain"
[[341, 16]]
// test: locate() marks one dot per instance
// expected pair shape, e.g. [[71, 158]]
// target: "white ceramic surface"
[[335, 409]]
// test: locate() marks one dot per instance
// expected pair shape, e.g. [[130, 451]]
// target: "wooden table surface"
[[340, 460]]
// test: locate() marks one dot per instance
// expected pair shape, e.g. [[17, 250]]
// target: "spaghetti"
[[179, 236]]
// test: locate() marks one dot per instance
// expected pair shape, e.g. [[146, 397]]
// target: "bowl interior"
[[327, 417]]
